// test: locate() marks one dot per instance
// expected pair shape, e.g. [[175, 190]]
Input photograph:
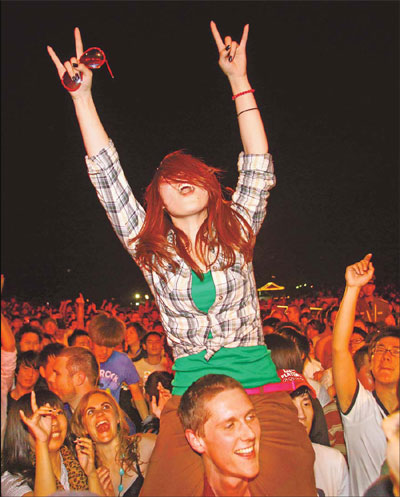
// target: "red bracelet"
[[242, 93]]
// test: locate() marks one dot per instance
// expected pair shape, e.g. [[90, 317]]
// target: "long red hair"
[[224, 229]]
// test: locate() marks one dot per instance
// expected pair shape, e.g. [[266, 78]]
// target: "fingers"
[[232, 52], [245, 35], [23, 417], [217, 37], [85, 445], [227, 48], [78, 43], [368, 257], [33, 402], [59, 66]]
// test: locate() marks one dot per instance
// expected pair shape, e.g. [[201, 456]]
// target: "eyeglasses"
[[93, 58], [356, 341], [381, 349]]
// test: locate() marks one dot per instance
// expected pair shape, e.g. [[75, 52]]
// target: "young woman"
[[39, 460], [195, 250], [122, 460]]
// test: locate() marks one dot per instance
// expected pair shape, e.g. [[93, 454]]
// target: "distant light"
[[311, 286], [146, 297], [297, 286], [137, 303], [137, 295], [305, 284], [68, 270]]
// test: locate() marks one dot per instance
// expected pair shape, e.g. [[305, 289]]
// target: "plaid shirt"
[[234, 318]]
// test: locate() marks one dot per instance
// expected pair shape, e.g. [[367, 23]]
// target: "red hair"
[[224, 229]]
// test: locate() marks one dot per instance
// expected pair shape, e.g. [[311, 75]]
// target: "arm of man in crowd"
[[7, 336], [80, 312], [344, 371], [137, 397]]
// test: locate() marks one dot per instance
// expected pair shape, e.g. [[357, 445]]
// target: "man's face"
[[368, 289], [83, 341], [292, 314], [50, 328], [29, 341], [102, 352], [231, 437], [60, 381], [16, 324], [305, 411], [131, 336], [385, 366], [154, 345], [27, 376]]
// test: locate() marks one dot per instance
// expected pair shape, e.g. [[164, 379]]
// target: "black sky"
[[326, 76]]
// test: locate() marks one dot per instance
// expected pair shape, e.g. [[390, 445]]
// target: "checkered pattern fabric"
[[234, 318]]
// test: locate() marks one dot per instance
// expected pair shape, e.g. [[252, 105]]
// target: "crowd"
[[117, 360], [206, 390]]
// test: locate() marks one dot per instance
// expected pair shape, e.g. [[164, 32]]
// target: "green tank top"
[[251, 366]]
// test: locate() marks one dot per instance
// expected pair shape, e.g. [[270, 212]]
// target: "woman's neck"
[[107, 452], [190, 225]]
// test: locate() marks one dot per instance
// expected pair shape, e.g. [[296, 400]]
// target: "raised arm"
[[233, 62], [94, 136], [344, 371]]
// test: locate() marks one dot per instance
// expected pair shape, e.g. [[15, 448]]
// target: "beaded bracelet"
[[246, 110], [242, 93]]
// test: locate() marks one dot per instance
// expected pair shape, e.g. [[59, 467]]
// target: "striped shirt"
[[234, 318]]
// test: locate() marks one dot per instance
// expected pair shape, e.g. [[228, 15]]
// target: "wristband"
[[234, 97]]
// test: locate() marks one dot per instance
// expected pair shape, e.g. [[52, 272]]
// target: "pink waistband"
[[272, 387]]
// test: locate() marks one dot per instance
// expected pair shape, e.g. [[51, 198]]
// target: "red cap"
[[294, 380]]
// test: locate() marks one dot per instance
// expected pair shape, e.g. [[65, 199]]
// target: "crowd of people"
[[205, 390], [109, 369]]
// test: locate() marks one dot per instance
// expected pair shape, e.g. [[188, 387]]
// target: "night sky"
[[326, 76]]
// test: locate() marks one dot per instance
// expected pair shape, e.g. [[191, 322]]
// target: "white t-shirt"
[[8, 362], [365, 440], [145, 369], [10, 483], [10, 487], [331, 472]]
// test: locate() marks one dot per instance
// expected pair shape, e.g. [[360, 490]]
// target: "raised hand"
[[39, 424], [163, 398], [86, 456], [80, 300], [232, 56], [105, 479], [360, 273], [73, 67]]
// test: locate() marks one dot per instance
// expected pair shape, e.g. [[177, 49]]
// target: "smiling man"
[[221, 425]]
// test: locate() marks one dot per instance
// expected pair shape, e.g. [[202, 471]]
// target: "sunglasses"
[[93, 58]]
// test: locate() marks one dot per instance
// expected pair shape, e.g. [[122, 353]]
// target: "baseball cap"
[[294, 380]]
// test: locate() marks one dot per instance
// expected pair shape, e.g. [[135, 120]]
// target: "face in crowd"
[[230, 438]]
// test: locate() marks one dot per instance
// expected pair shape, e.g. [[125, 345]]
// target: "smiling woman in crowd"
[[122, 460], [38, 457]]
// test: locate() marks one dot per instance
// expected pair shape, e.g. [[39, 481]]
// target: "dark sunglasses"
[[93, 58]]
